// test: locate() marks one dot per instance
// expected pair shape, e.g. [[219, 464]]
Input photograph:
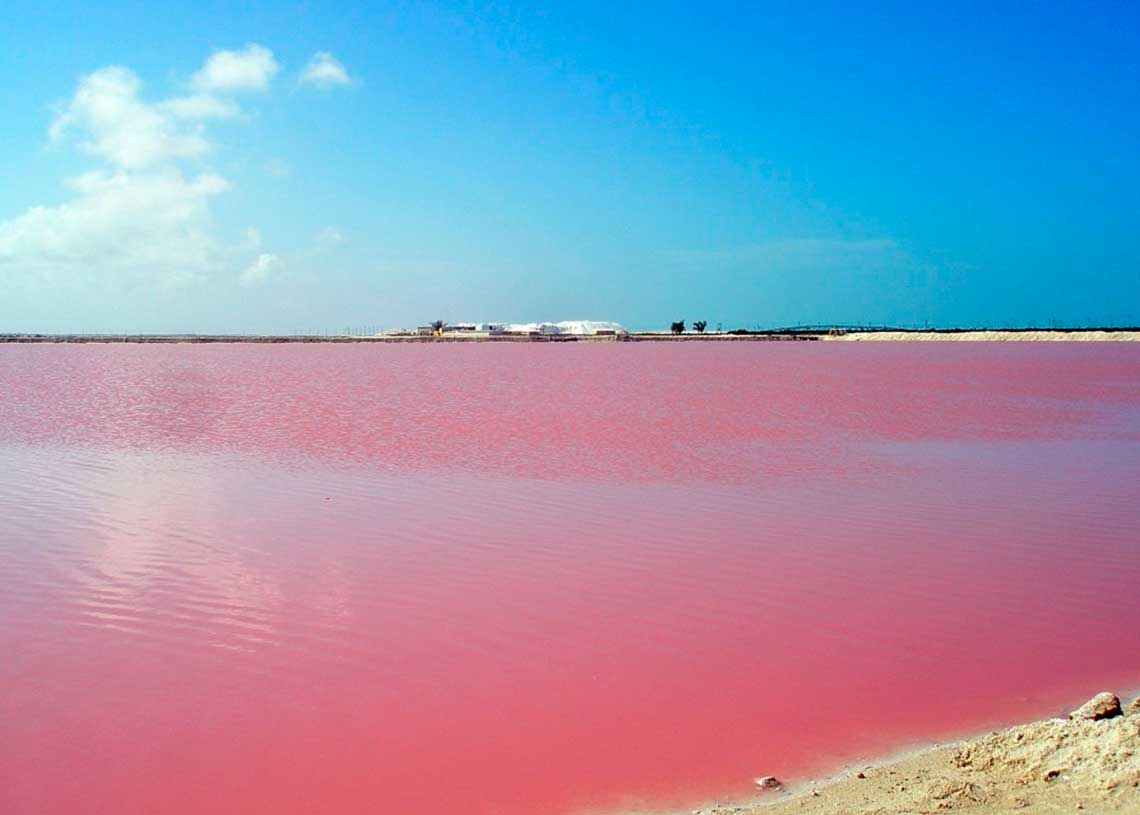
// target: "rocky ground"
[[1089, 762]]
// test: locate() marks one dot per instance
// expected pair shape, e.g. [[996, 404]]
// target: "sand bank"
[[1079, 764], [986, 336]]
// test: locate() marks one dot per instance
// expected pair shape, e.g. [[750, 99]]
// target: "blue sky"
[[280, 167]]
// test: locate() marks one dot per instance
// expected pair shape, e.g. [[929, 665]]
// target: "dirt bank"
[[1079, 764]]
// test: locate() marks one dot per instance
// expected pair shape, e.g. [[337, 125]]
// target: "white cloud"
[[324, 71], [119, 127], [143, 218], [330, 236], [140, 223], [261, 270], [250, 69]]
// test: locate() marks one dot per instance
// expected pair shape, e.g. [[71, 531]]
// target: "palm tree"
[[678, 327], [700, 325], [437, 327]]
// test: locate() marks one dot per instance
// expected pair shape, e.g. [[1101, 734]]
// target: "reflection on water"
[[511, 579]]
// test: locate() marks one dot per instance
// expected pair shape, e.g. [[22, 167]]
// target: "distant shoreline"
[[775, 335], [778, 335]]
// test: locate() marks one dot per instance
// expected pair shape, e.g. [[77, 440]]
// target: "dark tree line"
[[698, 325]]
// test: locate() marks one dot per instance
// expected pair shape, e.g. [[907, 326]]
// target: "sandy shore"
[[986, 336], [1089, 762]]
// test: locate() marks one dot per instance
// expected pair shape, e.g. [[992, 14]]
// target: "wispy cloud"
[[258, 273], [324, 71], [277, 168], [199, 107]]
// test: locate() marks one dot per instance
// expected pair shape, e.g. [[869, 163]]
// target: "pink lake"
[[545, 578]]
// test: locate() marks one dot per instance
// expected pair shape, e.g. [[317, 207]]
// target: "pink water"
[[544, 578]]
